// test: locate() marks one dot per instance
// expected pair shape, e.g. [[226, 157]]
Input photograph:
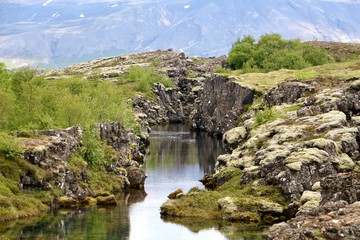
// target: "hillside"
[[81, 30]]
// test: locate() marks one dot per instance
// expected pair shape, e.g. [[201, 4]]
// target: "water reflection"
[[176, 159], [92, 223]]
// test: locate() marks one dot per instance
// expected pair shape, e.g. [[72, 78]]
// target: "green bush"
[[9, 147], [272, 52], [143, 79], [266, 115], [93, 149]]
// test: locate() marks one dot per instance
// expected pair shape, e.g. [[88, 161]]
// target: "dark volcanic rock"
[[287, 92], [220, 104], [136, 177], [341, 186]]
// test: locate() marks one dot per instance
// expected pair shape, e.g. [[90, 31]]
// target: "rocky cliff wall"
[[53, 151], [219, 105]]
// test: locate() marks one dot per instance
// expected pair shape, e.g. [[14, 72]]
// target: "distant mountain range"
[[57, 33]]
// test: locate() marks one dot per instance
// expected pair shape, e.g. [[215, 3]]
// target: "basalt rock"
[[288, 92], [220, 104], [341, 187]]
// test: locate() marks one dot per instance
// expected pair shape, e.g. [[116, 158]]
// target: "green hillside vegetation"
[[272, 52]]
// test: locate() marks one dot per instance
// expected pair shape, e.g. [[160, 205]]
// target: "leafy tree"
[[241, 52]]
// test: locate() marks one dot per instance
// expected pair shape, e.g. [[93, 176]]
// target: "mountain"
[[59, 32]]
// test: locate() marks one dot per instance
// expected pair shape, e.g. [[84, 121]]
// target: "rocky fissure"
[[313, 139], [293, 151]]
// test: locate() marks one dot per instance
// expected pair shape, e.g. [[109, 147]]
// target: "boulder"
[[176, 194], [136, 177], [235, 136]]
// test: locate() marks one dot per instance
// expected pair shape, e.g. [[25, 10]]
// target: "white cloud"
[[82, 15], [47, 2], [187, 6]]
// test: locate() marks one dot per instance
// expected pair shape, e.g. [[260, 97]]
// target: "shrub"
[[143, 78], [272, 52], [266, 115], [93, 149]]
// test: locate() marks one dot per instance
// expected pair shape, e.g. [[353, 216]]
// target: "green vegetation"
[[14, 203], [141, 79], [266, 115], [223, 70], [263, 82], [93, 149], [272, 53], [247, 198], [30, 102], [9, 146]]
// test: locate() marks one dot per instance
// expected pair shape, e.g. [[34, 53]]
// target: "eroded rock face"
[[219, 105], [341, 187], [167, 108], [51, 150], [288, 92]]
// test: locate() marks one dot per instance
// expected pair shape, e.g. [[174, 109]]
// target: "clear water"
[[176, 159]]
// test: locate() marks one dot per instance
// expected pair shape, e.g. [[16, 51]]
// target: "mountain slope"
[[59, 33]]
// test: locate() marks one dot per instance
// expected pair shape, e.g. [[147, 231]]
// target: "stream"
[[176, 158]]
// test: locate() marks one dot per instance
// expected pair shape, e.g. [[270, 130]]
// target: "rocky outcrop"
[[174, 105], [334, 220], [310, 150], [220, 104], [52, 151], [167, 108], [288, 92]]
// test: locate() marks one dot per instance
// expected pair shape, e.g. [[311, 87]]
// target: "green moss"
[[247, 198], [191, 74], [318, 234], [77, 164], [223, 70], [16, 203], [101, 181]]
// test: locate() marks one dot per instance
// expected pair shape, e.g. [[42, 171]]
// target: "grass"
[[16, 203], [263, 82], [266, 115]]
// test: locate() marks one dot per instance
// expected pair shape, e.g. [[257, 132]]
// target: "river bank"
[[174, 158]]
